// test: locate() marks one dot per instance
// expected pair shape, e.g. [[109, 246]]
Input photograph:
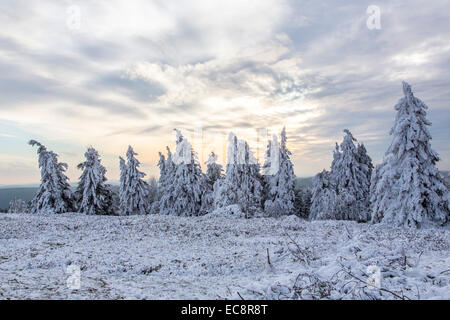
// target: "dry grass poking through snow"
[[164, 257]]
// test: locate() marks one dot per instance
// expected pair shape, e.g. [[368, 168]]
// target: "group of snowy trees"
[[406, 189], [54, 194], [184, 190], [343, 192]]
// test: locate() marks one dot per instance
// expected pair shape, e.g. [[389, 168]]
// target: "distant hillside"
[[26, 194], [7, 194], [303, 183]]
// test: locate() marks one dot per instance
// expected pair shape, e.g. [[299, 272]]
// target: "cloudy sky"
[[110, 73]]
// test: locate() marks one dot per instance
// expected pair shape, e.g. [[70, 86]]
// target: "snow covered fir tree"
[[54, 194], [343, 193], [182, 182], [93, 194], [242, 184], [323, 197], [134, 191], [279, 179], [408, 189], [213, 173]]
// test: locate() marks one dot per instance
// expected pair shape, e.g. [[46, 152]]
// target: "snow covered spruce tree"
[[280, 181], [347, 185], [242, 183], [323, 201], [364, 160], [213, 169], [94, 196], [54, 194], [166, 175], [134, 192], [351, 181], [184, 185], [408, 189], [17, 206], [213, 173]]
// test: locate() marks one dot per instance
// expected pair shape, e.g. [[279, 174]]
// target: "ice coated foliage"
[[134, 192], [323, 201], [364, 160], [54, 194], [166, 174], [213, 169], [213, 173], [343, 193], [407, 188], [352, 181], [182, 183], [242, 183], [18, 206], [95, 197], [280, 183]]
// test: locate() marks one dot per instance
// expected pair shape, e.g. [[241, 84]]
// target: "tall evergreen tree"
[[134, 191], [213, 174], [364, 160], [185, 185], [408, 189], [323, 201], [95, 197], [166, 176], [242, 183], [54, 194], [281, 182], [346, 186], [351, 181]]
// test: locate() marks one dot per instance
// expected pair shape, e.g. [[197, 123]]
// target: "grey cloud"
[[137, 89]]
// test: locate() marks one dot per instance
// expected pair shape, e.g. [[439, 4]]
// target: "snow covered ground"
[[166, 257]]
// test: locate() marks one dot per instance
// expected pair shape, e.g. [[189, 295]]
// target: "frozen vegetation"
[[218, 257]]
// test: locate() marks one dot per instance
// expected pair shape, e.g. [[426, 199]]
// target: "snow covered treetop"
[[130, 153], [273, 157], [179, 136], [239, 152], [406, 89], [183, 151], [211, 159], [349, 134]]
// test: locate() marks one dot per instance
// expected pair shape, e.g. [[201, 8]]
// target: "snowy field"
[[166, 257]]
